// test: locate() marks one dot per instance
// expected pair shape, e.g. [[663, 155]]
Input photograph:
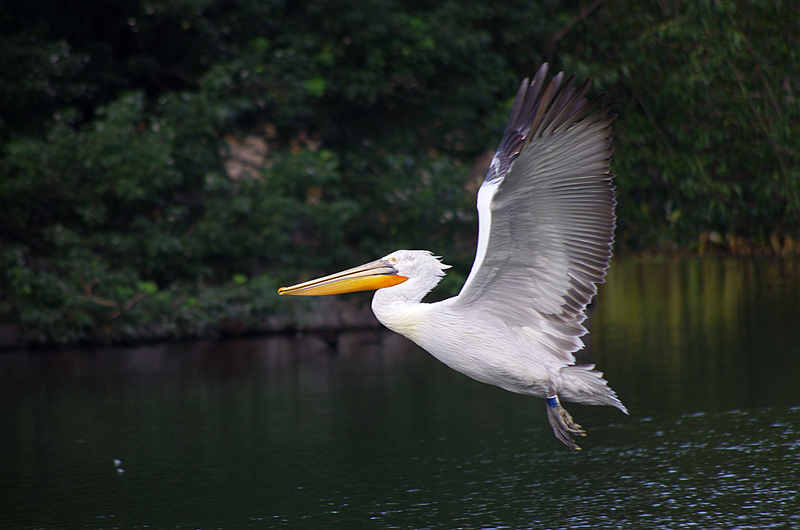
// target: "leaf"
[[315, 86]]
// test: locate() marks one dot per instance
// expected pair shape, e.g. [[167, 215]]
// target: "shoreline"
[[326, 315]]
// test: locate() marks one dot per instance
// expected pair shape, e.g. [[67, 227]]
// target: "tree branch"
[[584, 14]]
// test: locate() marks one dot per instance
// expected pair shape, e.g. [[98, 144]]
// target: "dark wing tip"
[[541, 108]]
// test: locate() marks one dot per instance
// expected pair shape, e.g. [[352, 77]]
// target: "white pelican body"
[[546, 224], [449, 333], [451, 336]]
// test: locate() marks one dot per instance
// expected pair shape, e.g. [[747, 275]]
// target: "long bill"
[[368, 277]]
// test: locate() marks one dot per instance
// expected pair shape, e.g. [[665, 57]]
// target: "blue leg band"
[[552, 401]]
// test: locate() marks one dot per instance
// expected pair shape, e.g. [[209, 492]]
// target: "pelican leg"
[[564, 427]]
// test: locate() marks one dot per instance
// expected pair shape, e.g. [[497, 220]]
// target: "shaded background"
[[165, 165]]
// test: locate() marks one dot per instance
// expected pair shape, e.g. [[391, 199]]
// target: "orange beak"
[[368, 277]]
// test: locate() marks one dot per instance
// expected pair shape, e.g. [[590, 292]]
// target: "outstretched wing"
[[546, 216]]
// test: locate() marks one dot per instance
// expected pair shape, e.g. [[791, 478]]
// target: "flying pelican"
[[545, 231]]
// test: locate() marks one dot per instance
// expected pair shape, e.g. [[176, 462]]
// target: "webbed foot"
[[564, 427]]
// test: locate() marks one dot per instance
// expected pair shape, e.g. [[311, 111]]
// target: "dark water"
[[365, 430]]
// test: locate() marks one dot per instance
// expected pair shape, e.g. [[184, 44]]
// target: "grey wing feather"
[[551, 211]]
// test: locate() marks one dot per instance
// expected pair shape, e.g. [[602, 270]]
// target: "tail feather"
[[581, 383]]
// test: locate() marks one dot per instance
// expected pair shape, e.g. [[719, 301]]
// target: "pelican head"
[[420, 266]]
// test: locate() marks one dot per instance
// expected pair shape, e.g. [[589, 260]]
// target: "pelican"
[[545, 232]]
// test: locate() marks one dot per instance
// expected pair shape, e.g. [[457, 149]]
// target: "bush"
[[165, 166]]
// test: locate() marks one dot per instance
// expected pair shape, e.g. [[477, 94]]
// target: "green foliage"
[[123, 218], [709, 115], [107, 226]]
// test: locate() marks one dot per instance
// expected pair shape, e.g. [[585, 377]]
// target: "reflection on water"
[[701, 334], [364, 429]]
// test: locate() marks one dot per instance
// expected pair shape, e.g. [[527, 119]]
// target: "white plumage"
[[546, 227]]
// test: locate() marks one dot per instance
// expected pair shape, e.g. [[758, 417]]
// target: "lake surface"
[[364, 430]]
